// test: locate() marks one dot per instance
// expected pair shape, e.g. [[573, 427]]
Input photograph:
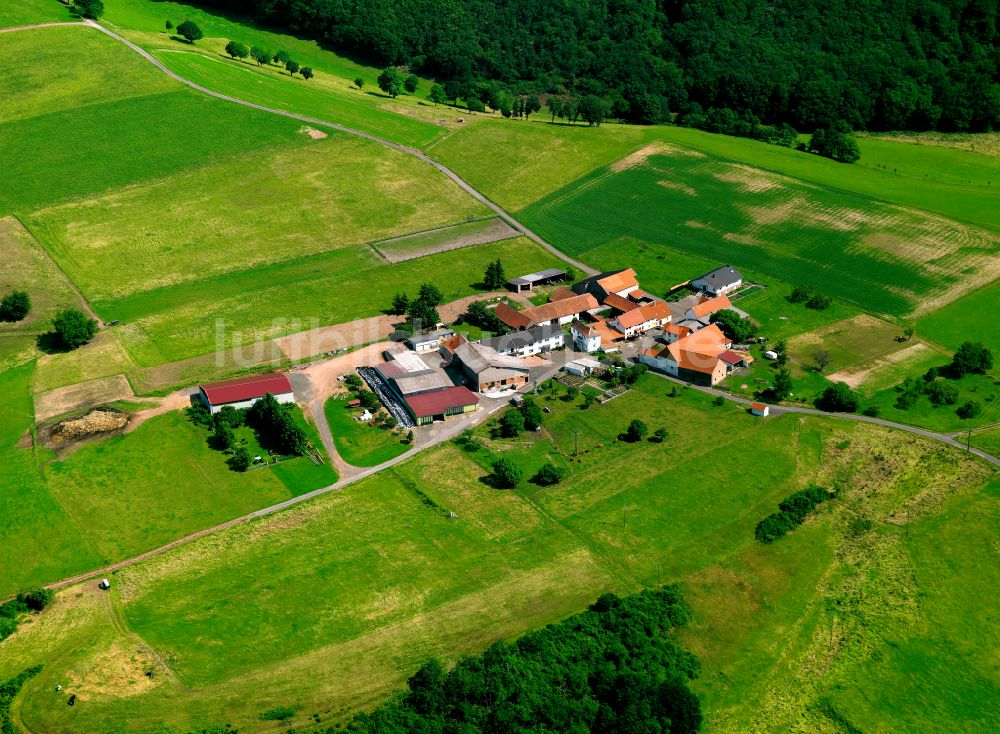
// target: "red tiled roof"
[[620, 303], [620, 281], [758, 406], [246, 388], [561, 294], [512, 317], [437, 401], [731, 357], [711, 306], [654, 311]]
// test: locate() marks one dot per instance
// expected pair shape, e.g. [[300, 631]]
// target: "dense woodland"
[[875, 64], [613, 668]]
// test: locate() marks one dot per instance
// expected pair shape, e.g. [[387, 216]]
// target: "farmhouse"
[[533, 340], [696, 358], [409, 374], [428, 342], [243, 392], [586, 338], [695, 311], [528, 282], [555, 313], [602, 285], [642, 319], [719, 282], [488, 370]]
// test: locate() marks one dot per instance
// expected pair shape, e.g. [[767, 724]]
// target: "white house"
[[719, 282], [585, 337], [642, 319], [528, 342]]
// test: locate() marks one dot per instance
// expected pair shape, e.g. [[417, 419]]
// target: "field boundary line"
[[420, 155], [48, 256]]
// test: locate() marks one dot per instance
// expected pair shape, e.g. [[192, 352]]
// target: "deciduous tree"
[[73, 327], [190, 31]]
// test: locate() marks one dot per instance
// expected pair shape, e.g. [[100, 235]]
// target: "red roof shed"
[[246, 388]]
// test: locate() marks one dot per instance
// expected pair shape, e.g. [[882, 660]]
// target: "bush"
[[37, 599], [7, 627], [819, 301], [792, 512], [942, 393], [506, 474], [970, 409], [73, 327], [548, 475], [241, 459], [15, 306], [972, 358], [872, 411], [658, 435], [636, 431], [839, 398], [281, 713], [190, 30], [532, 414]]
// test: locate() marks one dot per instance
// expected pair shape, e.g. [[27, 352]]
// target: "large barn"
[[242, 392]]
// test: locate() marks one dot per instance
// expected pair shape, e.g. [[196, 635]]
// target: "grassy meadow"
[[359, 444], [246, 213], [328, 606], [114, 123], [876, 256], [25, 12]]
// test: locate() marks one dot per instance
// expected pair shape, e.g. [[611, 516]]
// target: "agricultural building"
[[489, 371], [528, 282], [242, 392], [439, 404]]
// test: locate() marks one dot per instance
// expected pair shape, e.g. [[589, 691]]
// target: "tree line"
[[894, 64], [613, 668]]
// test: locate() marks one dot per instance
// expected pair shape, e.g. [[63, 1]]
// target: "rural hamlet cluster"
[[436, 367]]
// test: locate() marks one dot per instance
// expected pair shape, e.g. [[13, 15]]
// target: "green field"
[[245, 214], [987, 441], [495, 155], [972, 318], [135, 492], [24, 12], [358, 443], [269, 302], [876, 256], [117, 497], [332, 100], [328, 606]]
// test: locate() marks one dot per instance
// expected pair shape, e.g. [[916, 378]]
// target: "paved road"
[[952, 439], [462, 183]]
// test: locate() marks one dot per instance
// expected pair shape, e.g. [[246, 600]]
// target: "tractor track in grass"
[[420, 155]]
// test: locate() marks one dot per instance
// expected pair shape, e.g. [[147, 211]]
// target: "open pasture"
[[877, 256], [55, 80], [246, 213], [181, 322], [137, 491], [975, 317], [344, 596], [360, 444], [332, 99], [131, 124], [25, 12]]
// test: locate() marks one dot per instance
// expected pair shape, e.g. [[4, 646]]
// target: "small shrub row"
[[791, 513]]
